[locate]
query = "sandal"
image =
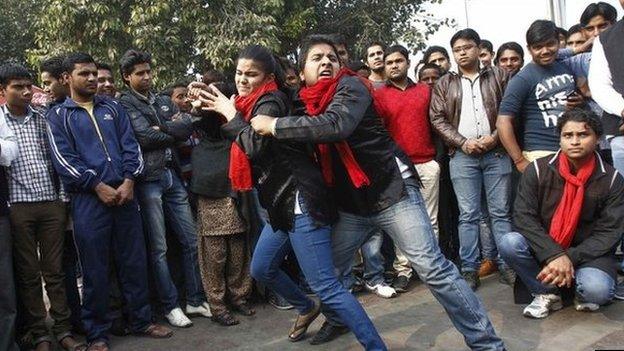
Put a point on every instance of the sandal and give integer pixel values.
(225, 319)
(303, 321)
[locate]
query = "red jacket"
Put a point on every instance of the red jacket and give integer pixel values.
(406, 116)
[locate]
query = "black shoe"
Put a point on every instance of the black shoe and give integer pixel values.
(472, 278)
(328, 333)
(507, 276)
(400, 284)
(119, 327)
(277, 301)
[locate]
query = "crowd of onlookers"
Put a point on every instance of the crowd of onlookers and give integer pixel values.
(323, 177)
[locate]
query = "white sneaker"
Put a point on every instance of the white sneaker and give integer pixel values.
(585, 306)
(177, 318)
(542, 305)
(382, 290)
(201, 310)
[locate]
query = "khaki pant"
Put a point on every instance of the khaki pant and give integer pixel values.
(534, 155)
(38, 230)
(429, 173)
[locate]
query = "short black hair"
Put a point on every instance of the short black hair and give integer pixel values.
(580, 115)
(429, 66)
(179, 84)
(577, 28)
(357, 65)
(309, 42)
(397, 48)
(432, 50)
(132, 58)
(338, 39)
(486, 44)
(103, 66)
(213, 76)
(466, 34)
(13, 71)
(607, 11)
(69, 63)
(510, 45)
(287, 64)
(54, 66)
(562, 32)
(541, 31)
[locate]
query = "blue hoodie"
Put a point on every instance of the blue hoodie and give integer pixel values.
(81, 157)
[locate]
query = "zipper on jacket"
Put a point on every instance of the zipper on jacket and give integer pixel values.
(99, 133)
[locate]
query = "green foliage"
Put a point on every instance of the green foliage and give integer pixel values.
(190, 35)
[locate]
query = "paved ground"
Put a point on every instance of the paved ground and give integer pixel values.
(413, 321)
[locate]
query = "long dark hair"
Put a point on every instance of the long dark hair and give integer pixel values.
(267, 62)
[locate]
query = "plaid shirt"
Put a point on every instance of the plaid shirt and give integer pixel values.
(31, 176)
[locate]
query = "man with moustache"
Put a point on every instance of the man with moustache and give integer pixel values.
(404, 107)
(106, 81)
(464, 108)
(374, 61)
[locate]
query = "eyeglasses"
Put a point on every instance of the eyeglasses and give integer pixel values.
(459, 49)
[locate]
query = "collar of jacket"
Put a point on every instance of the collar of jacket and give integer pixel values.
(410, 83)
(149, 99)
(600, 171)
(482, 71)
(70, 103)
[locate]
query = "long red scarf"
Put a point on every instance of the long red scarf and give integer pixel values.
(317, 98)
(240, 167)
(565, 220)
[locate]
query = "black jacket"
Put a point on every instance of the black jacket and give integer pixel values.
(352, 117)
(156, 111)
(602, 216)
(280, 169)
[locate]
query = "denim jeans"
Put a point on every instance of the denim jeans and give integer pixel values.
(312, 247)
(167, 198)
(469, 174)
(408, 223)
(592, 284)
(373, 259)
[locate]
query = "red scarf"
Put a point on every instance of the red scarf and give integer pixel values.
(565, 220)
(316, 99)
(240, 167)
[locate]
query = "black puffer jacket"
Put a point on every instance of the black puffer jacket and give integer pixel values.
(161, 112)
(352, 117)
(280, 169)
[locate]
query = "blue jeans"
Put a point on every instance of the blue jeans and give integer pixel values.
(373, 259)
(158, 198)
(592, 284)
(312, 247)
(492, 172)
(409, 226)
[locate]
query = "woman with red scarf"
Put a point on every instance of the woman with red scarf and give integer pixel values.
(293, 190)
(568, 213)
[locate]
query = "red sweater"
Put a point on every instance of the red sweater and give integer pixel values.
(406, 116)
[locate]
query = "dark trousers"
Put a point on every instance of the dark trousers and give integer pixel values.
(70, 265)
(7, 292)
(38, 236)
(98, 229)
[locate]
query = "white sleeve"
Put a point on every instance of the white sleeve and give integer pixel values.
(8, 143)
(600, 83)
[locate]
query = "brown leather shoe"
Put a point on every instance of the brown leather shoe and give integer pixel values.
(487, 267)
(98, 346)
(303, 321)
(157, 331)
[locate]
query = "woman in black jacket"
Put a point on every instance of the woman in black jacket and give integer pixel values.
(292, 190)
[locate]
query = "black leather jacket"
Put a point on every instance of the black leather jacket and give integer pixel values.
(173, 126)
(352, 117)
(280, 169)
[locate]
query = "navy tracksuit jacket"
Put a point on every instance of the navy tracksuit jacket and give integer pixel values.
(84, 157)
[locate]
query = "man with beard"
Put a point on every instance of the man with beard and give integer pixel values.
(464, 108)
(374, 61)
(510, 57)
(404, 107)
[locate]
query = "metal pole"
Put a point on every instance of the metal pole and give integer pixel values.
(466, 12)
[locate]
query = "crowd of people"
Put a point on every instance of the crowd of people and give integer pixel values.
(303, 183)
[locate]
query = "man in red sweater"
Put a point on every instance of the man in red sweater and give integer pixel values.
(404, 106)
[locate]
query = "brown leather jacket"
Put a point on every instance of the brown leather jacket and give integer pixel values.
(446, 102)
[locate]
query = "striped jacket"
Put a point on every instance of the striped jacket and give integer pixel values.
(87, 151)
